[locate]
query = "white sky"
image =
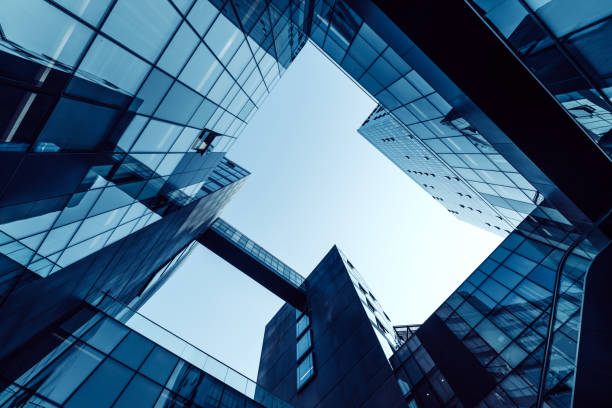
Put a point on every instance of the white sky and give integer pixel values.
(316, 182)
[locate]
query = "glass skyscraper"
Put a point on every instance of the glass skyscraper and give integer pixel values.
(115, 119)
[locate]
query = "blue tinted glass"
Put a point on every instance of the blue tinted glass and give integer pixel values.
(140, 393)
(305, 371)
(111, 198)
(514, 355)
(79, 251)
(383, 72)
(181, 47)
(169, 163)
(481, 301)
(224, 38)
(183, 5)
(186, 139)
(372, 38)
(419, 83)
(115, 65)
(157, 137)
(102, 387)
(29, 226)
(144, 27)
(202, 15)
(362, 52)
(76, 125)
(105, 335)
(201, 79)
(494, 289)
(301, 325)
(44, 29)
(97, 224)
(506, 276)
(159, 365)
(63, 376)
(303, 344)
(152, 91)
(240, 60)
(179, 105)
(492, 335)
(91, 11)
(469, 314)
(132, 350)
(78, 207)
(519, 264)
(403, 91)
(203, 114)
(131, 133)
(543, 276)
(221, 88)
(57, 239)
(533, 292)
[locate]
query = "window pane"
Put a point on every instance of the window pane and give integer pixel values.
(224, 38)
(76, 125)
(218, 92)
(44, 29)
(115, 65)
(152, 91)
(157, 137)
(181, 47)
(133, 350)
(141, 392)
(159, 365)
(301, 325)
(202, 15)
(198, 78)
(91, 11)
(179, 105)
(143, 26)
(303, 345)
(305, 371)
(67, 372)
(105, 335)
(101, 389)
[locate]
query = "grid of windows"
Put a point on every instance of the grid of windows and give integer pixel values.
(560, 44)
(144, 81)
(502, 314)
(110, 206)
(101, 362)
(416, 160)
(363, 55)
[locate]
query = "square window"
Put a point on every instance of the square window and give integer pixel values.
(144, 27)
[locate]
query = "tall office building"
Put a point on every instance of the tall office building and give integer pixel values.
(459, 128)
(115, 120)
(509, 334)
(444, 183)
(336, 354)
(116, 117)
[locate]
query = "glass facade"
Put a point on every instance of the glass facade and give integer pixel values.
(416, 160)
(115, 119)
(148, 89)
(443, 147)
(562, 45)
(519, 316)
(97, 361)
